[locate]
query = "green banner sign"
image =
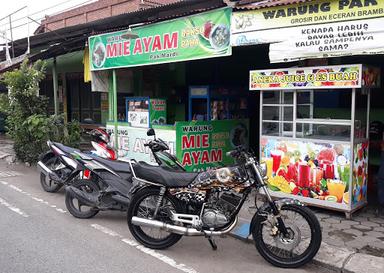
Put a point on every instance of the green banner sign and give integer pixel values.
(203, 144)
(205, 35)
(158, 111)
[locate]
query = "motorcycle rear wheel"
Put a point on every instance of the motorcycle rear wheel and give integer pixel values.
(48, 184)
(85, 185)
(143, 205)
(288, 251)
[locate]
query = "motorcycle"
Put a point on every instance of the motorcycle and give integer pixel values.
(112, 180)
(168, 204)
(54, 172)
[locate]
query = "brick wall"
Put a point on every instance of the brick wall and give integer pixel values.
(96, 11)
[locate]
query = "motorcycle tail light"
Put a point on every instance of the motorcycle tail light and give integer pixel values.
(87, 174)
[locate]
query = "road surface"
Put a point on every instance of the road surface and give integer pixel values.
(38, 234)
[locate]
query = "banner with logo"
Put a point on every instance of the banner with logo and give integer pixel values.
(205, 35)
(346, 76)
(201, 145)
(131, 141)
(246, 24)
(330, 40)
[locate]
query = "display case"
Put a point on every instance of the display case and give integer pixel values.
(144, 112)
(216, 103)
(314, 133)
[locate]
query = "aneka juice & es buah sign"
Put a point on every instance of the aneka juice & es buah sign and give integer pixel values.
(346, 76)
(204, 35)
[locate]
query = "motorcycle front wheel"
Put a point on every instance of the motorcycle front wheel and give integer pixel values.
(294, 249)
(143, 205)
(46, 182)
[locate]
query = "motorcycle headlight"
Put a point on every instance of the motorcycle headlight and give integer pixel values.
(263, 169)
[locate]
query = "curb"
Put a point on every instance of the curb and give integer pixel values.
(330, 257)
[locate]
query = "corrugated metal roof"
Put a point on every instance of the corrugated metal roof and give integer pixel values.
(118, 22)
(258, 4)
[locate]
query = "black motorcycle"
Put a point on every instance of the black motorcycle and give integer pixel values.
(168, 204)
(54, 170)
(109, 181)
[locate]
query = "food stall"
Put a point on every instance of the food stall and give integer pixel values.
(314, 132)
(199, 144)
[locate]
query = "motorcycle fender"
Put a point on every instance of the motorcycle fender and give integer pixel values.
(266, 208)
(45, 156)
(136, 185)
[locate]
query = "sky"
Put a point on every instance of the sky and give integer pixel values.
(36, 9)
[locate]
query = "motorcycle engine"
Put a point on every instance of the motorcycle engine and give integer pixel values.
(218, 209)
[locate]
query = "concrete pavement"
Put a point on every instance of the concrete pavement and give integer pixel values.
(37, 234)
(355, 245)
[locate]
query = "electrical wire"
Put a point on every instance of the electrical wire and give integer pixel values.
(51, 7)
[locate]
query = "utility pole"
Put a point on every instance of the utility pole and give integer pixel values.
(10, 27)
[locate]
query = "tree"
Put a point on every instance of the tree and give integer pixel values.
(28, 122)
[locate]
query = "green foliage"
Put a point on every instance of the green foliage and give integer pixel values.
(27, 121)
(4, 103)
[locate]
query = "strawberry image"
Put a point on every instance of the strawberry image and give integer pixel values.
(295, 191)
(207, 29)
(305, 192)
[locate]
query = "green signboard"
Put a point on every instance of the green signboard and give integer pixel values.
(158, 111)
(204, 35)
(203, 144)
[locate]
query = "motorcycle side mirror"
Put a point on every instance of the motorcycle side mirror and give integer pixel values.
(151, 132)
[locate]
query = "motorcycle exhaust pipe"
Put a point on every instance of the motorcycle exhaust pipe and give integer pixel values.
(138, 221)
(83, 197)
(45, 170)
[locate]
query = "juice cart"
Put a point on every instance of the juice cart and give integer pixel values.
(314, 133)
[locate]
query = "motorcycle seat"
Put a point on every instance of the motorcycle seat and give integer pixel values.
(114, 165)
(163, 175)
(65, 149)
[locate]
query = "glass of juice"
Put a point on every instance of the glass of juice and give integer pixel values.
(336, 188)
(329, 171)
(304, 178)
(276, 156)
(317, 175)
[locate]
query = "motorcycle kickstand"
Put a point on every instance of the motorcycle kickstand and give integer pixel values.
(212, 243)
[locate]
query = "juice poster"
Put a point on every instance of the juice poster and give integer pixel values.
(308, 169)
(360, 172)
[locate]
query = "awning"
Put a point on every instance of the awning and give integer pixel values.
(61, 41)
(258, 4)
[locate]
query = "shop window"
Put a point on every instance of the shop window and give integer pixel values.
(323, 114)
(324, 104)
(323, 131)
(277, 113)
(313, 114)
